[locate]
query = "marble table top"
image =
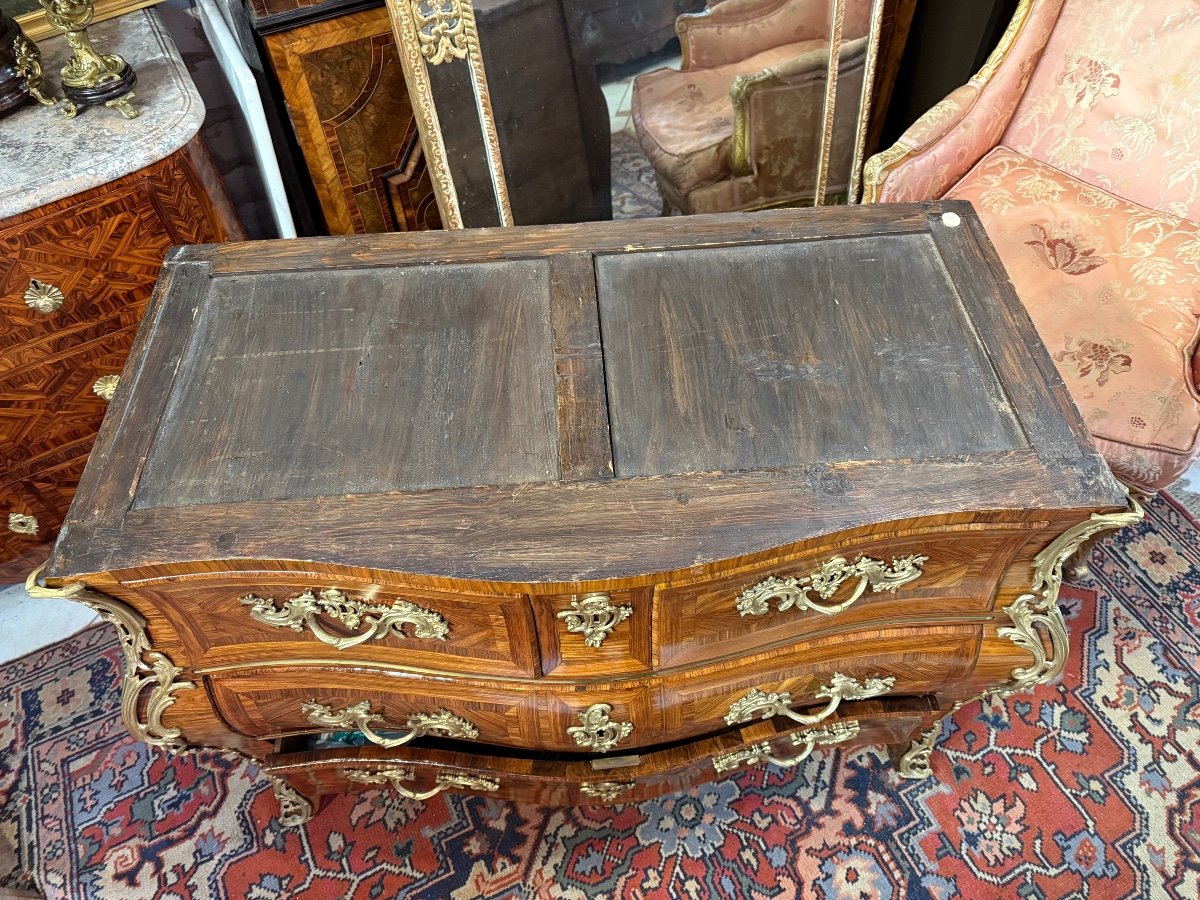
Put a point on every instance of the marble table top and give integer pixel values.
(45, 157)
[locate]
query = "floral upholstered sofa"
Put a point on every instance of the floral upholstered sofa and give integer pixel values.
(1079, 145)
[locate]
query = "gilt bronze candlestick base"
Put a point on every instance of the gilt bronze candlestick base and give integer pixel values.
(89, 76)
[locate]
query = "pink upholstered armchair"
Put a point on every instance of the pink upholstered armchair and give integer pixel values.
(1079, 145)
(739, 127)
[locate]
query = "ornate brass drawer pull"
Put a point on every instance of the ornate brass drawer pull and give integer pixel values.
(607, 791)
(834, 733)
(378, 620)
(445, 781)
(594, 617)
(760, 705)
(106, 387)
(43, 297)
(359, 717)
(789, 592)
(20, 523)
(597, 731)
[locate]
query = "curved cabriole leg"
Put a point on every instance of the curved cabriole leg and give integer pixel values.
(145, 667)
(294, 808)
(1036, 622)
(914, 762)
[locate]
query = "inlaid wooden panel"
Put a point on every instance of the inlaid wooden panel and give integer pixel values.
(484, 633)
(626, 648)
(928, 660)
(699, 619)
(103, 249)
(269, 703)
(46, 495)
(103, 255)
(545, 778)
(345, 92)
(49, 403)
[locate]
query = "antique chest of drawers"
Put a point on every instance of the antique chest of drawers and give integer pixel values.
(586, 513)
(88, 208)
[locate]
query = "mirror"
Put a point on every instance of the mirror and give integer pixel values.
(540, 111)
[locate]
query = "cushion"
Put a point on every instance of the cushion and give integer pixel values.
(1115, 98)
(1112, 287)
(684, 119)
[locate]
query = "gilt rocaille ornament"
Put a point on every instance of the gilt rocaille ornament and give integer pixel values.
(89, 76)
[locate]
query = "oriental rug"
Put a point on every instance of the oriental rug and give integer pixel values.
(1088, 788)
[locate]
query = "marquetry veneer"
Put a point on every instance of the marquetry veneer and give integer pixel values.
(75, 277)
(583, 514)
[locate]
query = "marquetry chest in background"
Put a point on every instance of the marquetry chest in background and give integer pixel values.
(88, 209)
(582, 513)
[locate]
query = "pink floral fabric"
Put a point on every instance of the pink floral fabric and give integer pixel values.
(952, 136)
(1115, 101)
(1112, 288)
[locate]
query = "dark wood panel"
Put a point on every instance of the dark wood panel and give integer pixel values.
(417, 379)
(836, 350)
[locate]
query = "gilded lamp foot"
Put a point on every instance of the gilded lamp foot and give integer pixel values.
(89, 76)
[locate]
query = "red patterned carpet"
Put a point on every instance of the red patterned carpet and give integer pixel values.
(1090, 788)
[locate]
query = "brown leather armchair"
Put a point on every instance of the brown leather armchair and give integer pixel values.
(739, 126)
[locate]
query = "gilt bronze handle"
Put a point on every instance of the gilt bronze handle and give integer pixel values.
(825, 581)
(809, 739)
(445, 781)
(377, 621)
(759, 704)
(359, 717)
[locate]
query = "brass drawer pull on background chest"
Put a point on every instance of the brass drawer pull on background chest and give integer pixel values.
(606, 790)
(597, 730)
(377, 620)
(106, 387)
(20, 523)
(445, 781)
(761, 705)
(359, 717)
(43, 297)
(833, 733)
(594, 617)
(834, 572)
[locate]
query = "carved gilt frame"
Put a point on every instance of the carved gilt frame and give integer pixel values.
(443, 33)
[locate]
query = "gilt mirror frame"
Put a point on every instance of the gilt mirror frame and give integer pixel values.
(439, 41)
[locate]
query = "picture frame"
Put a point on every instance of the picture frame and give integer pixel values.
(32, 18)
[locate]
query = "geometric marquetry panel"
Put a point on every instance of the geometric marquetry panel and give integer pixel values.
(46, 497)
(344, 88)
(103, 250)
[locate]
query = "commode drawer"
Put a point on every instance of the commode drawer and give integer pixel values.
(837, 588)
(390, 711)
(419, 773)
(228, 619)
